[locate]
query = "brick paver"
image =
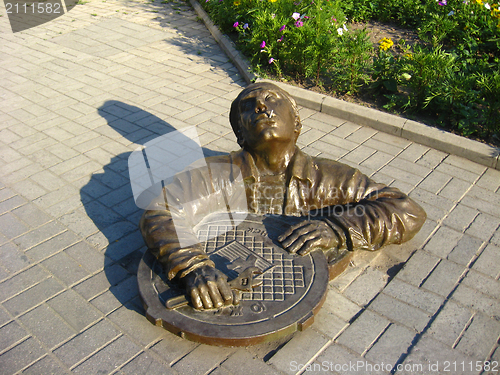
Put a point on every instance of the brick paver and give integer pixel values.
(80, 93)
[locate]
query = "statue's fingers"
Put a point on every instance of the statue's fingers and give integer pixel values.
(291, 229)
(206, 299)
(300, 241)
(215, 295)
(236, 297)
(285, 234)
(299, 232)
(309, 245)
(196, 299)
(225, 291)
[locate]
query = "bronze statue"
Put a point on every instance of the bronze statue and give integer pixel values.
(342, 209)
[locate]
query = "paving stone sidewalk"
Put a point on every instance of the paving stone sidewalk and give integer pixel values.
(78, 94)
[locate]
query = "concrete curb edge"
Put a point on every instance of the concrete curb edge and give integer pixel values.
(414, 131)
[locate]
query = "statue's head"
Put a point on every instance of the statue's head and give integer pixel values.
(264, 112)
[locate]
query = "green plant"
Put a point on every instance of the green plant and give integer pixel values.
(452, 74)
(352, 62)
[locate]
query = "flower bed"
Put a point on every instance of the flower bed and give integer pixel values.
(451, 74)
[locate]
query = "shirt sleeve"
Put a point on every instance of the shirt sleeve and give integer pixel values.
(169, 222)
(168, 225)
(373, 215)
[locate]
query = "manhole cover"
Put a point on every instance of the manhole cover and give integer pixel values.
(291, 291)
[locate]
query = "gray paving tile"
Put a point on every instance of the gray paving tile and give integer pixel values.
(202, 359)
(52, 246)
(490, 180)
(242, 359)
(337, 359)
(465, 164)
(45, 324)
(10, 334)
(21, 355)
(339, 305)
(110, 357)
(483, 283)
(488, 262)
(400, 312)
(106, 302)
(65, 268)
(10, 226)
(461, 217)
(22, 281)
(474, 299)
(435, 181)
(12, 258)
(136, 325)
(366, 286)
(86, 256)
(420, 298)
(74, 309)
(467, 248)
(444, 278)
(46, 365)
(449, 323)
(443, 242)
(31, 215)
(87, 342)
(39, 235)
(363, 332)
(388, 347)
(172, 348)
(455, 189)
(458, 172)
(427, 357)
(481, 205)
(145, 364)
(33, 296)
(328, 324)
(11, 204)
(483, 226)
(302, 348)
(480, 336)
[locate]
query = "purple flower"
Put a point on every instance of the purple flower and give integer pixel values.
(296, 16)
(442, 2)
(263, 44)
(282, 28)
(280, 39)
(236, 24)
(299, 23)
(245, 26)
(306, 17)
(271, 60)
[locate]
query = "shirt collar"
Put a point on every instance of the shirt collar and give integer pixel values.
(300, 166)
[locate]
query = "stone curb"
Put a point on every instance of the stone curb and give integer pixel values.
(414, 131)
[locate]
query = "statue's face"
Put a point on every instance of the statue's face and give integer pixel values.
(266, 115)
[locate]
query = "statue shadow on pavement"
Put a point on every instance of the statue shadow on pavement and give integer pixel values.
(109, 202)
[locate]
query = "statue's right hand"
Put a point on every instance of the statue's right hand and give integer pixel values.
(208, 288)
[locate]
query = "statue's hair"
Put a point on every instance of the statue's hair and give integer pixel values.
(234, 114)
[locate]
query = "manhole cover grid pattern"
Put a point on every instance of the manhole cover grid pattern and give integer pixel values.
(279, 281)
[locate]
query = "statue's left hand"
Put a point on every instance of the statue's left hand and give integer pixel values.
(305, 236)
(208, 288)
